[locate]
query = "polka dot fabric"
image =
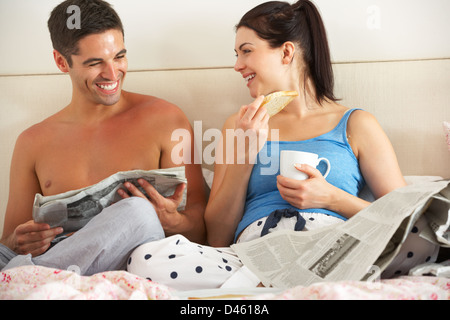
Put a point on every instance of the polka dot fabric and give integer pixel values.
(414, 251)
(183, 265)
(313, 221)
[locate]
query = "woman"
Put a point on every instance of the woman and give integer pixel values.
(283, 47)
(279, 47)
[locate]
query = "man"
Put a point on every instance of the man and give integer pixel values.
(102, 131)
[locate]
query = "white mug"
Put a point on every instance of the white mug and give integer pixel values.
(290, 158)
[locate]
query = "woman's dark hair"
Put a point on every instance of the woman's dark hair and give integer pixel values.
(95, 17)
(278, 22)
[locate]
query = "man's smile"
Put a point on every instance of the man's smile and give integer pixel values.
(108, 88)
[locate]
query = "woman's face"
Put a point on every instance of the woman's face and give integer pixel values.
(261, 66)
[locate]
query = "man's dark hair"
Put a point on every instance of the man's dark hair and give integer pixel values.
(96, 16)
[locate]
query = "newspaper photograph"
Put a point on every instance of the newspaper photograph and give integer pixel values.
(366, 242)
(72, 210)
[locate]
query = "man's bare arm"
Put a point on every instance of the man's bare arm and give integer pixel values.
(20, 233)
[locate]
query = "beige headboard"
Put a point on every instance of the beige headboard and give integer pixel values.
(411, 99)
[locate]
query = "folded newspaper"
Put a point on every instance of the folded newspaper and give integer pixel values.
(359, 249)
(72, 210)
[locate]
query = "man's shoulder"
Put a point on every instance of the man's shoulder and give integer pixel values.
(34, 135)
(38, 129)
(151, 106)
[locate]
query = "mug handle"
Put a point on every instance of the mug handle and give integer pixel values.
(328, 166)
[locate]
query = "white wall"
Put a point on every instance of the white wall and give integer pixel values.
(166, 34)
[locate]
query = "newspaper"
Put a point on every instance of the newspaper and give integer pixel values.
(436, 269)
(366, 243)
(72, 210)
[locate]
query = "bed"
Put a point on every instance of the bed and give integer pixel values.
(41, 283)
(409, 98)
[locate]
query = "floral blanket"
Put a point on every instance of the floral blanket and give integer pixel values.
(34, 282)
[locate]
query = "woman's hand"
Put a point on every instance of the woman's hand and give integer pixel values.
(314, 192)
(166, 208)
(252, 123)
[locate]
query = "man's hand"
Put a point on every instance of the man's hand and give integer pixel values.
(31, 237)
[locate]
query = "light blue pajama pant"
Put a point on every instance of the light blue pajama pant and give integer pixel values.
(104, 244)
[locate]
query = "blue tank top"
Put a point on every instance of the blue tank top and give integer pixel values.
(262, 192)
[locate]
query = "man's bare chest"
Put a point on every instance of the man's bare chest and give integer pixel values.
(70, 163)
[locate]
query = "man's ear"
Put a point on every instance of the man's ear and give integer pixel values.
(288, 52)
(60, 61)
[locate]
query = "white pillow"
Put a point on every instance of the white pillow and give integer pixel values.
(367, 195)
(209, 176)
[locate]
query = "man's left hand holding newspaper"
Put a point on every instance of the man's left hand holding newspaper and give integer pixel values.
(165, 207)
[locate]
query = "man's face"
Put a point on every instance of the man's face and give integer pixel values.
(99, 68)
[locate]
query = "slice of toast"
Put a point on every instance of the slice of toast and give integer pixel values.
(275, 102)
